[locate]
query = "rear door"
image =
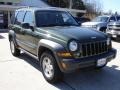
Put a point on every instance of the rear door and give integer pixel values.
(18, 28)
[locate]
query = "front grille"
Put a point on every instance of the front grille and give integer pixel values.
(116, 25)
(94, 48)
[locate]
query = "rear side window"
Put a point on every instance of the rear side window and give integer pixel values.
(20, 17)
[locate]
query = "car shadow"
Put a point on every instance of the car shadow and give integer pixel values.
(117, 41)
(1, 37)
(3, 30)
(85, 79)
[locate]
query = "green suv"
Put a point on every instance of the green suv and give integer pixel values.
(55, 39)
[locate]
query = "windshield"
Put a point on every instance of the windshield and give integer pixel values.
(54, 18)
(100, 19)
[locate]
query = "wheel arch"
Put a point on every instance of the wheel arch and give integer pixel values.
(11, 35)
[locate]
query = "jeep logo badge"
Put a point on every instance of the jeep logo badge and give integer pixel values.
(93, 37)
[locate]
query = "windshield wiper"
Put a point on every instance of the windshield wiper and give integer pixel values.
(50, 25)
(69, 25)
(53, 25)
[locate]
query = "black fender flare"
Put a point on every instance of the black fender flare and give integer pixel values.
(11, 35)
(54, 47)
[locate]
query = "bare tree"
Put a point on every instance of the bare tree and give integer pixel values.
(93, 6)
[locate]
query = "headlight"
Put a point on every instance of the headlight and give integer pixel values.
(108, 41)
(73, 46)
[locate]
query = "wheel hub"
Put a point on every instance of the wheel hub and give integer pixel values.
(47, 67)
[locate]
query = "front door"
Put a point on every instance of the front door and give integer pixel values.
(27, 35)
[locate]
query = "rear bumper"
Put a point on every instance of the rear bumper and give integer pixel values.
(69, 65)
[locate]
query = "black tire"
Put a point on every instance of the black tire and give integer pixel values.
(57, 75)
(14, 50)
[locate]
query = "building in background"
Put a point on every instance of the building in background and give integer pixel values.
(8, 6)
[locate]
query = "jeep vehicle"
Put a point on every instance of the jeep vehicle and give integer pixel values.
(100, 23)
(54, 38)
(113, 30)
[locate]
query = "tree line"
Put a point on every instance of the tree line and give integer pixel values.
(91, 6)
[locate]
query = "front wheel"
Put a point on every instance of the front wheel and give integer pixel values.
(15, 51)
(50, 69)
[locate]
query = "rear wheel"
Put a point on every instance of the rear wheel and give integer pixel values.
(50, 69)
(14, 50)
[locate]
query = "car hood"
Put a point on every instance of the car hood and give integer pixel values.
(74, 32)
(91, 23)
(114, 23)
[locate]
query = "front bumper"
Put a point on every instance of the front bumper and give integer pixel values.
(114, 34)
(69, 65)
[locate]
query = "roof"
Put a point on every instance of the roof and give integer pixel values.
(51, 8)
(12, 8)
(37, 8)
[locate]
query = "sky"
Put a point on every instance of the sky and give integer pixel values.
(113, 5)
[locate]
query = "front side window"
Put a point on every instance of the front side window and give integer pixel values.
(100, 19)
(20, 17)
(29, 18)
(54, 18)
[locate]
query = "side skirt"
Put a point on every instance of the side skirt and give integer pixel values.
(30, 54)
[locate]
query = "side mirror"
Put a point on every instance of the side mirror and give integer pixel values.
(32, 28)
(26, 25)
